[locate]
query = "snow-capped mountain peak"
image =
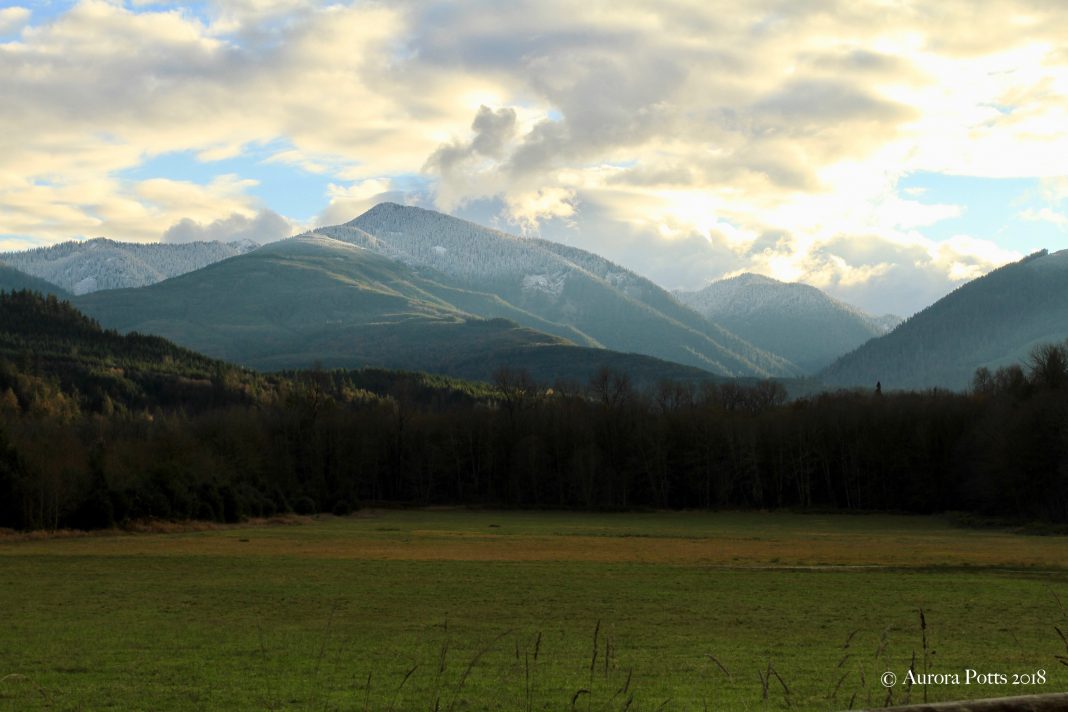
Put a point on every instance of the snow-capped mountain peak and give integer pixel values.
(795, 320)
(100, 263)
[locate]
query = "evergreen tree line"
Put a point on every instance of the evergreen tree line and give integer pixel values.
(333, 441)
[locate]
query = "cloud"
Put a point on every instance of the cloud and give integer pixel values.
(266, 226)
(883, 274)
(13, 19)
(86, 112)
(87, 206)
(1045, 215)
(529, 209)
(351, 201)
(900, 272)
(826, 101)
(1055, 189)
(686, 140)
(492, 130)
(463, 164)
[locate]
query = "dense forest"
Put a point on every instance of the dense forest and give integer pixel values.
(98, 429)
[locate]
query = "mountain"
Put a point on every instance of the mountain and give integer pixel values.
(795, 321)
(83, 267)
(992, 321)
(13, 280)
(312, 300)
(557, 289)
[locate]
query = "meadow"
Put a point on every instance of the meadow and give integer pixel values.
(489, 610)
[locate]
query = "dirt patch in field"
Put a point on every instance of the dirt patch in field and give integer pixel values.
(811, 550)
(150, 526)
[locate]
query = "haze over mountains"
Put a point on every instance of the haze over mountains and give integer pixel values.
(795, 321)
(993, 321)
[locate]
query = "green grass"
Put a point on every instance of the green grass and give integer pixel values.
(300, 617)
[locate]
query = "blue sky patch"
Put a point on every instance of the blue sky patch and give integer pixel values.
(284, 188)
(990, 209)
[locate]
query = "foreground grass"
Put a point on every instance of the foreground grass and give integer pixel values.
(485, 611)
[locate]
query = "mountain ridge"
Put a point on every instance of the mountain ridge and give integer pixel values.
(798, 321)
(992, 321)
(611, 306)
(314, 301)
(81, 267)
(12, 280)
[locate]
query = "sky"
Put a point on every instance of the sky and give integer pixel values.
(885, 151)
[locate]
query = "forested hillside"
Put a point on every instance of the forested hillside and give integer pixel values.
(55, 359)
(992, 321)
(13, 280)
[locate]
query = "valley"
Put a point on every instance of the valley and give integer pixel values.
(536, 356)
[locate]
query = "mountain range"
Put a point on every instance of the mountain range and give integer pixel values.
(92, 265)
(315, 301)
(415, 289)
(404, 288)
(796, 321)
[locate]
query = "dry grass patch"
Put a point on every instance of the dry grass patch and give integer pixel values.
(405, 536)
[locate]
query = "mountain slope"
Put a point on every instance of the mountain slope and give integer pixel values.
(54, 360)
(601, 304)
(312, 300)
(796, 321)
(83, 267)
(991, 321)
(13, 280)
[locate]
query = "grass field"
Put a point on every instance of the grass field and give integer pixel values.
(457, 610)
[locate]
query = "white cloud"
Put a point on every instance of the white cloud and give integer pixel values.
(530, 208)
(684, 139)
(86, 112)
(13, 19)
(83, 206)
(350, 201)
(1055, 189)
(266, 226)
(898, 274)
(1045, 215)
